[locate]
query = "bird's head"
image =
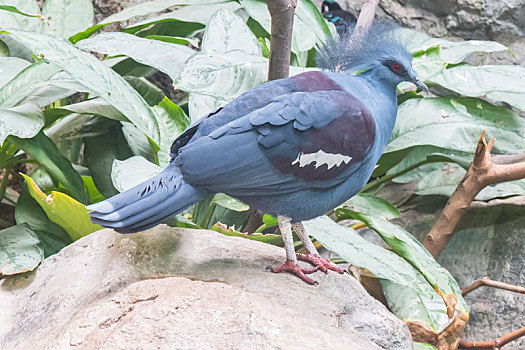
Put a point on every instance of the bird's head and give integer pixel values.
(378, 54)
(329, 5)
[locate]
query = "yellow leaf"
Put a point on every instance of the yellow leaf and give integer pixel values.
(64, 211)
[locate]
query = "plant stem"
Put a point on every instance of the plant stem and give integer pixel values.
(5, 181)
(386, 178)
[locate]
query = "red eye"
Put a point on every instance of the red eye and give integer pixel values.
(396, 67)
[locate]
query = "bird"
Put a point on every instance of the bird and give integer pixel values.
(294, 148)
(342, 19)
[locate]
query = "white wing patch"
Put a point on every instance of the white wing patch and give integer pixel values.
(320, 158)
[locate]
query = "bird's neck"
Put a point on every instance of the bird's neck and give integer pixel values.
(379, 96)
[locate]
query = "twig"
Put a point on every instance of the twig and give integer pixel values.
(485, 281)
(494, 344)
(282, 13)
(483, 171)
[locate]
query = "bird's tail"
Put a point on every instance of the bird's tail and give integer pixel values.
(147, 204)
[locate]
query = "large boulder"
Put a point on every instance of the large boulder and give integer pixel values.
(170, 288)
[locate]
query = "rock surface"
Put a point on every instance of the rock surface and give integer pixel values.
(172, 288)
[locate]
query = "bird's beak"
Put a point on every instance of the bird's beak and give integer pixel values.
(420, 84)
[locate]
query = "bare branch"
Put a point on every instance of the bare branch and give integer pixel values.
(494, 344)
(483, 171)
(282, 13)
(485, 281)
(366, 16)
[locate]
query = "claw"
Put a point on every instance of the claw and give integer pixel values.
(322, 263)
(297, 270)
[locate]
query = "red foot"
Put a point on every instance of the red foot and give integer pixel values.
(322, 263)
(297, 270)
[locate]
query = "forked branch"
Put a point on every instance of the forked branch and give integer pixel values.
(484, 170)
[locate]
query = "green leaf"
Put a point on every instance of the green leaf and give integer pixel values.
(10, 67)
(52, 237)
(146, 8)
(94, 106)
(368, 204)
(227, 32)
(138, 142)
(45, 152)
(94, 195)
(21, 14)
(497, 83)
(149, 92)
(13, 9)
(228, 202)
(309, 27)
(359, 252)
(100, 152)
(175, 40)
(455, 123)
(166, 57)
(20, 250)
(406, 304)
(96, 76)
(423, 346)
(408, 247)
(72, 126)
(62, 18)
(24, 121)
(23, 84)
(201, 105)
(456, 51)
(172, 122)
(132, 171)
(63, 210)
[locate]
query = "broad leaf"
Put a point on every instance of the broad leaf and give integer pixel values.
(149, 92)
(423, 346)
(227, 32)
(455, 123)
(188, 14)
(309, 27)
(96, 76)
(10, 67)
(359, 252)
(100, 152)
(172, 122)
(406, 304)
(408, 247)
(368, 204)
(229, 202)
(63, 210)
(63, 18)
(149, 7)
(498, 83)
(72, 126)
(23, 85)
(10, 18)
(20, 250)
(201, 105)
(24, 121)
(45, 152)
(132, 171)
(52, 237)
(166, 57)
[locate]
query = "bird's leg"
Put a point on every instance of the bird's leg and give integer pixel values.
(290, 264)
(312, 256)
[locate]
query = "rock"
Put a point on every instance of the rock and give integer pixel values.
(186, 289)
(489, 241)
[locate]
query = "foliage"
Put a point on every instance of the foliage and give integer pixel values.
(92, 127)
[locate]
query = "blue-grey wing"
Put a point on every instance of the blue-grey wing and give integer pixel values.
(300, 140)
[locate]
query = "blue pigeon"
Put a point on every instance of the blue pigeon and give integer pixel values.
(340, 18)
(294, 148)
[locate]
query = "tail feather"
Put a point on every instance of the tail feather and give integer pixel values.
(148, 203)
